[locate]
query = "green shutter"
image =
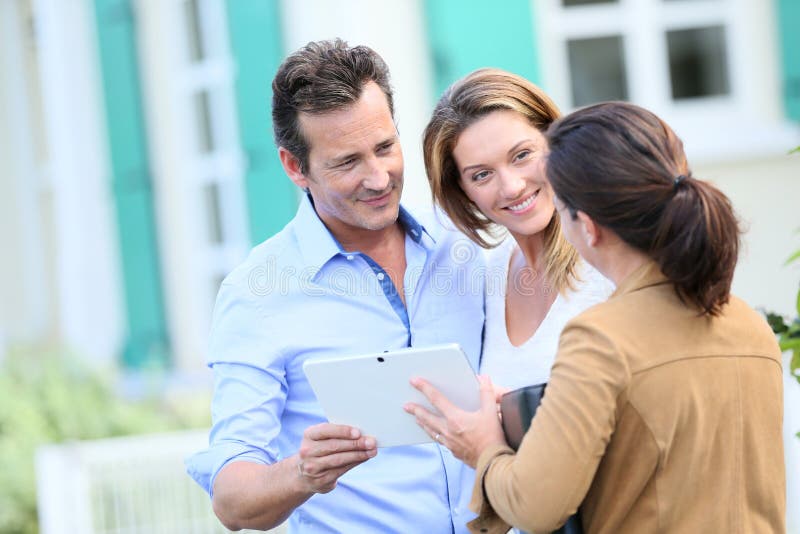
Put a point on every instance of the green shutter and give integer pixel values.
(468, 34)
(789, 28)
(146, 344)
(254, 28)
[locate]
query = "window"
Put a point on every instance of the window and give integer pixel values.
(700, 64)
(597, 69)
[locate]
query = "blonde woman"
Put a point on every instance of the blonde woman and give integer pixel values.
(483, 151)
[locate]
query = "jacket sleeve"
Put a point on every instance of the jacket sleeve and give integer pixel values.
(538, 488)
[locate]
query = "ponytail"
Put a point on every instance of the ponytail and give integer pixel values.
(697, 244)
(626, 169)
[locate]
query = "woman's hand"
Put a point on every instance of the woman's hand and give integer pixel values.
(466, 434)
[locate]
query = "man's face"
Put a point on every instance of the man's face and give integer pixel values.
(355, 165)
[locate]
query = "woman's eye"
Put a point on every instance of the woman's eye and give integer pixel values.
(522, 155)
(478, 176)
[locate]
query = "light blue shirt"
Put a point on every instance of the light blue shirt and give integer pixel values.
(299, 296)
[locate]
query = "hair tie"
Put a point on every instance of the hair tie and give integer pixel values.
(680, 178)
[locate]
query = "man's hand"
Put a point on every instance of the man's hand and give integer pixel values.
(466, 434)
(328, 451)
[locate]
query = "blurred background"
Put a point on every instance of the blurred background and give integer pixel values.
(137, 169)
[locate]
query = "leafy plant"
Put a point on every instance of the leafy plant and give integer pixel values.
(788, 330)
(47, 396)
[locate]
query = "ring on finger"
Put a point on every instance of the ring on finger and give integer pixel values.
(300, 469)
(438, 437)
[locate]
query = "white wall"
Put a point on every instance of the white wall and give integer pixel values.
(766, 194)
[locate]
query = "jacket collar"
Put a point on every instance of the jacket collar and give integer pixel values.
(647, 275)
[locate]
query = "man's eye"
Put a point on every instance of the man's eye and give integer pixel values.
(385, 148)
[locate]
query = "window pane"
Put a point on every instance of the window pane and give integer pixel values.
(194, 30)
(213, 213)
(597, 70)
(698, 62)
(205, 133)
(568, 3)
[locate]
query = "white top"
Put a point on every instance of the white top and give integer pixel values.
(513, 367)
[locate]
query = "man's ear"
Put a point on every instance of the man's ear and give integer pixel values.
(291, 166)
(591, 232)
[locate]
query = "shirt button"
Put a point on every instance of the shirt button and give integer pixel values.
(381, 276)
(349, 257)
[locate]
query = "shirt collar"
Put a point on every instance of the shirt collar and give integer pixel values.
(318, 246)
(415, 230)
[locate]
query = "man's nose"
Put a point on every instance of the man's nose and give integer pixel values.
(376, 175)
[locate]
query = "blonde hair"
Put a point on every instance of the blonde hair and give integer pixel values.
(467, 100)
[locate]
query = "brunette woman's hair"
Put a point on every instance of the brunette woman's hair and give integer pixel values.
(626, 169)
(463, 103)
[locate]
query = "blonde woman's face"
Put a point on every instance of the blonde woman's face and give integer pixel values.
(500, 160)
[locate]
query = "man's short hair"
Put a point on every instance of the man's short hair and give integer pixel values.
(322, 76)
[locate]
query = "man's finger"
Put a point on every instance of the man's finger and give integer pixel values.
(331, 431)
(328, 447)
(321, 467)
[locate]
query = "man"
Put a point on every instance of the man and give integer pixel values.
(352, 273)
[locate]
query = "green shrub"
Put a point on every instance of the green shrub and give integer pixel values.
(788, 330)
(47, 396)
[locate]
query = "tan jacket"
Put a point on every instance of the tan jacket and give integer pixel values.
(656, 419)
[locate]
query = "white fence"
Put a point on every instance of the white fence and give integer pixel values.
(130, 485)
(138, 485)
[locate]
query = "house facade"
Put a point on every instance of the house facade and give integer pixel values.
(138, 168)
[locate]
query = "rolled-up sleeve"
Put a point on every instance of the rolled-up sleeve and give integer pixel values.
(541, 485)
(249, 387)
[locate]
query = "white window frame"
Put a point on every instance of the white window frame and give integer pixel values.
(192, 265)
(224, 165)
(746, 122)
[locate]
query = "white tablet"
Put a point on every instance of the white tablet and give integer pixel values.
(369, 391)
